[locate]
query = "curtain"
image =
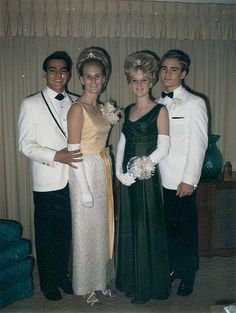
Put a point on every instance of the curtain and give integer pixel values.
(31, 29)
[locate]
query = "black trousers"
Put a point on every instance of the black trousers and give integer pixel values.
(182, 233)
(52, 221)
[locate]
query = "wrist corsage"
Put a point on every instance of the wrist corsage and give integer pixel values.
(141, 167)
(111, 111)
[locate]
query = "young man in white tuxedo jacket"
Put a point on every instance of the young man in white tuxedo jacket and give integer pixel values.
(181, 168)
(42, 138)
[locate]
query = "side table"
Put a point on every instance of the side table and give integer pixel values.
(216, 202)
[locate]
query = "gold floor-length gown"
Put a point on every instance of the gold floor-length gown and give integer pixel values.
(90, 225)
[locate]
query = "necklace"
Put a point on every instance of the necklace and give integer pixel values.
(95, 110)
(137, 113)
(143, 110)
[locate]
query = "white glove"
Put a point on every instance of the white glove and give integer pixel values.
(163, 146)
(125, 179)
(86, 195)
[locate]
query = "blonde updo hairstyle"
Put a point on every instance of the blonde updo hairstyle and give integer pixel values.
(145, 61)
(97, 56)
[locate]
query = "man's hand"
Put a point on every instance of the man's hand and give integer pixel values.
(184, 190)
(68, 157)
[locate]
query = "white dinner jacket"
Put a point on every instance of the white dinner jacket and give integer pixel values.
(189, 138)
(40, 138)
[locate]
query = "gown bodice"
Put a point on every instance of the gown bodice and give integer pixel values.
(140, 135)
(94, 133)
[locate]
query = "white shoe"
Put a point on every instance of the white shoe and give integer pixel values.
(109, 293)
(93, 300)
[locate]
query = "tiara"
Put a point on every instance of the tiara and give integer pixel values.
(137, 62)
(91, 55)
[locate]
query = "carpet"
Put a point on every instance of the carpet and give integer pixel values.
(215, 284)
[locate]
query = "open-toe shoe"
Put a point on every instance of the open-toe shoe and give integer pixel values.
(109, 293)
(93, 300)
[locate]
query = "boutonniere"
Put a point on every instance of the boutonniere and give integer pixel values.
(177, 102)
(111, 111)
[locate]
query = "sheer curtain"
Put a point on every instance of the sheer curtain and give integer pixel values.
(31, 29)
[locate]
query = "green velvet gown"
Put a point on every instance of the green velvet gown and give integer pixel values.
(142, 259)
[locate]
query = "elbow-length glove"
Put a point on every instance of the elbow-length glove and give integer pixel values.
(125, 179)
(79, 172)
(163, 146)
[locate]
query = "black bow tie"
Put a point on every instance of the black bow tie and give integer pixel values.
(168, 94)
(60, 96)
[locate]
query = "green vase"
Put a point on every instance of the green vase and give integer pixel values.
(213, 162)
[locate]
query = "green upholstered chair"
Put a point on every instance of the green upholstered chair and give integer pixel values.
(15, 264)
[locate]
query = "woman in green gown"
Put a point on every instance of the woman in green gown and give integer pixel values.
(142, 261)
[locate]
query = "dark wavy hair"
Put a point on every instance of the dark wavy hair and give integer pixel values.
(59, 55)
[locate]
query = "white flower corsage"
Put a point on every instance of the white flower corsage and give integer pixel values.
(111, 111)
(177, 101)
(141, 167)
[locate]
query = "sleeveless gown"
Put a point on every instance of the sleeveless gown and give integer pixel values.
(90, 226)
(142, 261)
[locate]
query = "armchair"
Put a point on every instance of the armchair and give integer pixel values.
(15, 264)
